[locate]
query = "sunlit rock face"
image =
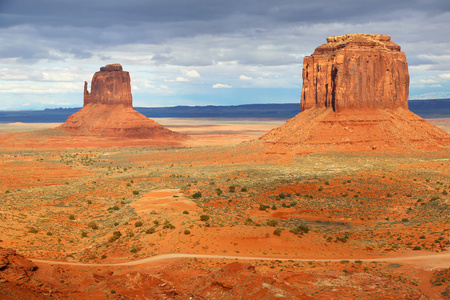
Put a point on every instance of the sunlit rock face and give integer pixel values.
(356, 71)
(111, 86)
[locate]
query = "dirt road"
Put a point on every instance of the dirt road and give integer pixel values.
(426, 261)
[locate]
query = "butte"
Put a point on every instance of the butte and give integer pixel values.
(108, 111)
(355, 98)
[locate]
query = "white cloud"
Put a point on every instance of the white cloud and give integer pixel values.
(191, 74)
(428, 80)
(181, 79)
(220, 86)
(445, 76)
(243, 77)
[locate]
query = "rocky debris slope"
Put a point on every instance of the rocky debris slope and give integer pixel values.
(108, 110)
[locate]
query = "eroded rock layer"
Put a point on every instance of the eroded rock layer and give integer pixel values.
(108, 110)
(356, 71)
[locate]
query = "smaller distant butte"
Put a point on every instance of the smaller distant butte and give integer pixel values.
(108, 110)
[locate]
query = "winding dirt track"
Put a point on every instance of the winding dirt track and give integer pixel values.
(434, 260)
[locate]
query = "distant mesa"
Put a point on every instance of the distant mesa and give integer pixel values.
(108, 110)
(355, 97)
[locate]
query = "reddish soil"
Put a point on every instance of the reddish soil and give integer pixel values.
(358, 208)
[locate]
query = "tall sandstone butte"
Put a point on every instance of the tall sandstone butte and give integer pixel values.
(356, 71)
(110, 86)
(108, 110)
(355, 97)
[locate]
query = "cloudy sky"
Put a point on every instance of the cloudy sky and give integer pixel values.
(202, 52)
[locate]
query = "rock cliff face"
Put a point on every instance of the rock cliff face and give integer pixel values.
(108, 110)
(355, 97)
(110, 86)
(356, 71)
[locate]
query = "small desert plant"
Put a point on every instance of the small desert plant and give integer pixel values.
(244, 189)
(232, 189)
(138, 224)
(300, 229)
(150, 230)
(204, 218)
(272, 223)
(281, 195)
(92, 225)
(187, 232)
(185, 212)
(168, 225)
(197, 195)
(49, 233)
(218, 192)
(32, 230)
(135, 192)
(263, 207)
(277, 232)
(417, 248)
(71, 217)
(83, 234)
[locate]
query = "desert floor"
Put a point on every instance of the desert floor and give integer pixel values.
(324, 225)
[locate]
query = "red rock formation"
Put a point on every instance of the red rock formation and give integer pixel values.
(109, 86)
(108, 110)
(356, 71)
(355, 97)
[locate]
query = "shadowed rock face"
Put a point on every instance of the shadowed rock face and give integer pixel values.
(110, 86)
(356, 71)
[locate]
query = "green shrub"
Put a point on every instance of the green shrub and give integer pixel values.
(33, 230)
(133, 250)
(263, 207)
(277, 232)
(274, 207)
(197, 195)
(300, 229)
(272, 223)
(83, 234)
(187, 232)
(244, 189)
(116, 235)
(281, 195)
(417, 248)
(232, 189)
(92, 225)
(49, 233)
(138, 224)
(135, 192)
(185, 212)
(71, 217)
(168, 225)
(150, 230)
(219, 192)
(204, 218)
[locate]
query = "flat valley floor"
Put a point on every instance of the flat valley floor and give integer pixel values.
(369, 225)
